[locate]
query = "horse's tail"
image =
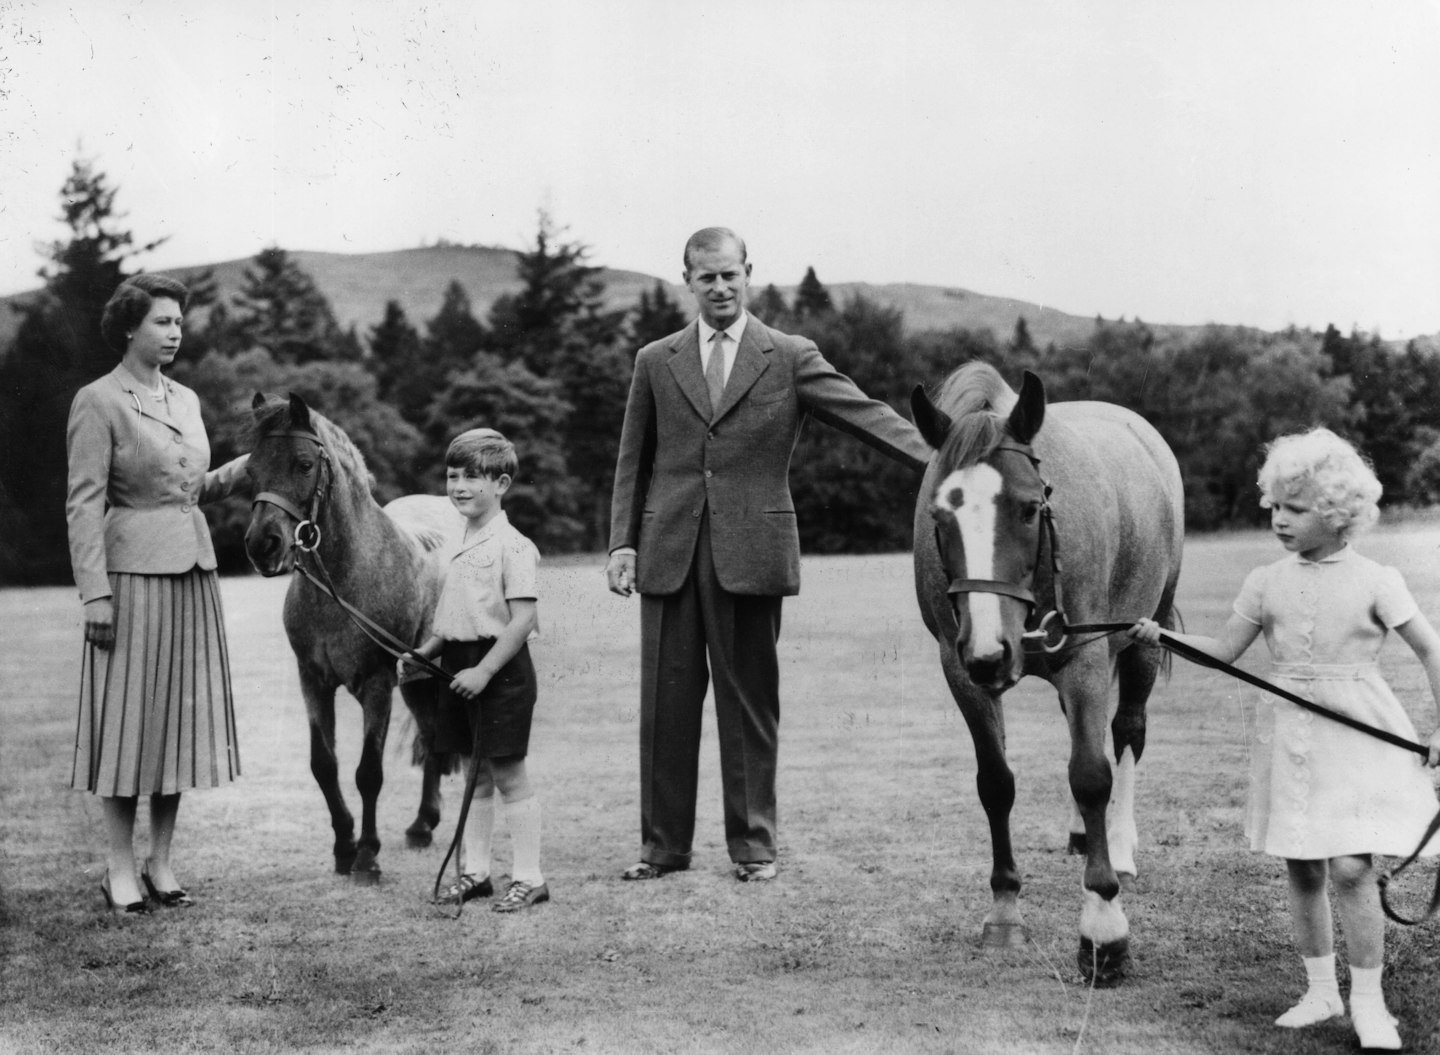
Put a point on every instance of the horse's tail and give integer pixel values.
(1173, 621)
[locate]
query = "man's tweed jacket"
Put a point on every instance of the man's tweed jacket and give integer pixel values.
(678, 463)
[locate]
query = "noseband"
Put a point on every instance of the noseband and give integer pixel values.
(1036, 630)
(307, 526)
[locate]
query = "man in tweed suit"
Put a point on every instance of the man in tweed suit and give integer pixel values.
(703, 527)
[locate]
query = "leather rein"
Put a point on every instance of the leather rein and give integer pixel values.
(1038, 632)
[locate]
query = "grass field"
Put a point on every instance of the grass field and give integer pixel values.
(867, 942)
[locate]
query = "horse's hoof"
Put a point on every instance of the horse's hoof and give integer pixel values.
(418, 836)
(1127, 882)
(365, 877)
(1106, 964)
(1076, 846)
(344, 863)
(1003, 936)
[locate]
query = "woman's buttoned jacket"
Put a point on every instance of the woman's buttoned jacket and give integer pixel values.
(139, 469)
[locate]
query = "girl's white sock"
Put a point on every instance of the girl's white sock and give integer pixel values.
(1322, 995)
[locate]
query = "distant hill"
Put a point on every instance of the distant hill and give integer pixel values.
(358, 286)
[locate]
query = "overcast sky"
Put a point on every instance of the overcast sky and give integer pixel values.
(1263, 163)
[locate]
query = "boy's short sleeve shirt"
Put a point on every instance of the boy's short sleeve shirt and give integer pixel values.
(483, 576)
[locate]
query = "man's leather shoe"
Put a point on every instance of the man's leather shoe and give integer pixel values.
(645, 870)
(755, 871)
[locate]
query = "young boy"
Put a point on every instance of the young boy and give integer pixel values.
(485, 616)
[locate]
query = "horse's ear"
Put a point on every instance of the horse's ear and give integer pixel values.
(299, 412)
(1029, 412)
(933, 423)
(257, 402)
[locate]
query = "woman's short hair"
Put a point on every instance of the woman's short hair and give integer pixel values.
(484, 452)
(130, 303)
(1338, 478)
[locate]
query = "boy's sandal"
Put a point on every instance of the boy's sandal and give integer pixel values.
(521, 895)
(469, 888)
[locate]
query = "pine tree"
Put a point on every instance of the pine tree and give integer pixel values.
(770, 307)
(559, 328)
(280, 309)
(57, 349)
(657, 315)
(811, 298)
(397, 361)
(561, 296)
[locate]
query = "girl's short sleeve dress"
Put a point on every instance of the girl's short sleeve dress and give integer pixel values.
(1319, 789)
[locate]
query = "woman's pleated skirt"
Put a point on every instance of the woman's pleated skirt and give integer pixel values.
(156, 712)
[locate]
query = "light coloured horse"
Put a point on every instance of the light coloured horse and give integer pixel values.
(1012, 484)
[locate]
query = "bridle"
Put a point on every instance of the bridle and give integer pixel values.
(307, 538)
(307, 526)
(1037, 631)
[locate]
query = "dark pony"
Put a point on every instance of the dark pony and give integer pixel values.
(1010, 488)
(385, 562)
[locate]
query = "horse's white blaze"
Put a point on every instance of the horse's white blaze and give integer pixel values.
(1120, 817)
(1103, 921)
(975, 514)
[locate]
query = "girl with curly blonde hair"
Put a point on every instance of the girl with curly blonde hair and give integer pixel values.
(1323, 796)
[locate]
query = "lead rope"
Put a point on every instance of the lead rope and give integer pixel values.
(1194, 655)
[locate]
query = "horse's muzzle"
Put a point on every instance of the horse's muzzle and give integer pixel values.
(269, 550)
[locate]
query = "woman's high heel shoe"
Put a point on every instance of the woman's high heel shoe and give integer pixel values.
(176, 898)
(139, 907)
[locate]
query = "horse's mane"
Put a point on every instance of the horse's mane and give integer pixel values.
(274, 415)
(978, 401)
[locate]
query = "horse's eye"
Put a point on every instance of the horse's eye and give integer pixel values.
(305, 465)
(1029, 511)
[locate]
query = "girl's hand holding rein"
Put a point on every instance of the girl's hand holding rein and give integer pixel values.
(1146, 630)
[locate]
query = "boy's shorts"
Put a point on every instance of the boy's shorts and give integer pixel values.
(501, 713)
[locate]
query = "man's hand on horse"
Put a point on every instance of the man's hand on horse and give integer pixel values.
(620, 573)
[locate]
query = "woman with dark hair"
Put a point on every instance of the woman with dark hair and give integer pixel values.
(156, 716)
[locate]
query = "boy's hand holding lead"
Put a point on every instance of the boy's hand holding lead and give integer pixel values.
(470, 682)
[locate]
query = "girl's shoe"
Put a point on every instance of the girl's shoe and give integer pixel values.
(1317, 1005)
(138, 907)
(1374, 1026)
(521, 895)
(176, 898)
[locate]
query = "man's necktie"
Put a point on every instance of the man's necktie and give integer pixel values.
(715, 370)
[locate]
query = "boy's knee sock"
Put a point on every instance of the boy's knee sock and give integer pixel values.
(523, 819)
(479, 836)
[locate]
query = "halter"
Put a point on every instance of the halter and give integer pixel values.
(307, 526)
(1037, 630)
